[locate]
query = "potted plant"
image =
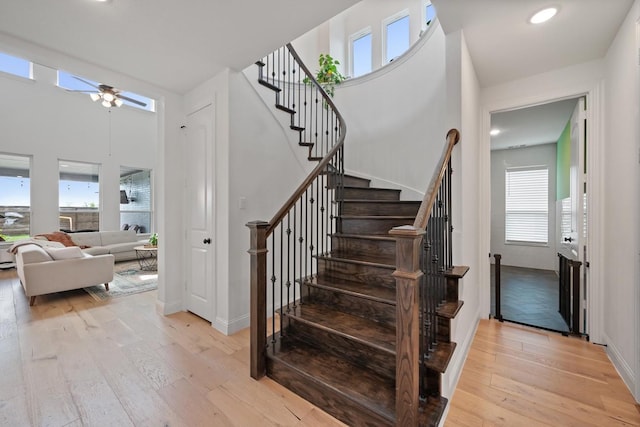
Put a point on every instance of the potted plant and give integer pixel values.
(328, 75)
(153, 240)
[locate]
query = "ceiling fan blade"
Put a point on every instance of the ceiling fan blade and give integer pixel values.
(135, 101)
(82, 91)
(86, 82)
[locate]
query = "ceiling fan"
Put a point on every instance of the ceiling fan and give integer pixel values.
(110, 96)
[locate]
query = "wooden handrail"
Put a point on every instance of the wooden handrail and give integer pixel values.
(282, 212)
(453, 136)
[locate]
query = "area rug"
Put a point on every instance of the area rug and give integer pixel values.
(128, 279)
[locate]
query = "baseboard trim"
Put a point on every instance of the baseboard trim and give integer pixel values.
(621, 365)
(233, 326)
(165, 308)
(452, 376)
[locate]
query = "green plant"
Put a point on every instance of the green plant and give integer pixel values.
(328, 75)
(153, 240)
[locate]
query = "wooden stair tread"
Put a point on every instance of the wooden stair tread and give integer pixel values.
(269, 85)
(352, 327)
(457, 272)
(430, 411)
(449, 310)
(372, 189)
(370, 260)
(397, 202)
(366, 388)
(360, 289)
(364, 236)
(285, 109)
(440, 357)
(374, 217)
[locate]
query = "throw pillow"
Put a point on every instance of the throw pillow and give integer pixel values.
(70, 252)
(58, 236)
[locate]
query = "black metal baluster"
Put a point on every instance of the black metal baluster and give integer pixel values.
(282, 330)
(311, 248)
(273, 289)
(288, 284)
(293, 259)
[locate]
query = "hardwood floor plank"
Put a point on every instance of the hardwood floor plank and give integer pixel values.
(192, 406)
(552, 379)
(73, 361)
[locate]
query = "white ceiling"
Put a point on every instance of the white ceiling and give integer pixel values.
(174, 44)
(504, 46)
(540, 124)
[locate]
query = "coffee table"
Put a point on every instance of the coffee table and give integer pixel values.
(147, 257)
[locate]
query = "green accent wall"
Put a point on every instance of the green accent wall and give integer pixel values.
(563, 163)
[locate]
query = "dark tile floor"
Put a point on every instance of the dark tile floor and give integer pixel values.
(529, 296)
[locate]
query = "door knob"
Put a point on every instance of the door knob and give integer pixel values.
(568, 239)
(207, 241)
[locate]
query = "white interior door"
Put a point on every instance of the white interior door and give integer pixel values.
(573, 238)
(573, 233)
(200, 143)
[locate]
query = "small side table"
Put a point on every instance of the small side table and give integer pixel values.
(147, 257)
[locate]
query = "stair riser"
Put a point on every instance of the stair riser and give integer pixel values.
(357, 272)
(324, 397)
(368, 208)
(383, 249)
(372, 226)
(380, 312)
(370, 194)
(366, 356)
(348, 181)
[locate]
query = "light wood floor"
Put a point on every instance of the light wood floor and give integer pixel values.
(72, 361)
(520, 376)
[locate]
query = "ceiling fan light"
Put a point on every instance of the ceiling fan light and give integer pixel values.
(106, 103)
(94, 96)
(108, 96)
(118, 102)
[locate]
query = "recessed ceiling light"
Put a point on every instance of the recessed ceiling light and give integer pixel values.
(494, 132)
(544, 15)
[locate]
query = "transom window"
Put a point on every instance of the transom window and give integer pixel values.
(14, 65)
(361, 59)
(527, 205)
(396, 36)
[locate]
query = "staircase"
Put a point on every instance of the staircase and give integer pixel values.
(334, 270)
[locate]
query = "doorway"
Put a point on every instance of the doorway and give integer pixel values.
(535, 182)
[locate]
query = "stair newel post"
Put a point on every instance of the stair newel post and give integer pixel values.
(258, 279)
(408, 276)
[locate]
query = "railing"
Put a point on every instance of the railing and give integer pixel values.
(423, 256)
(283, 250)
(569, 292)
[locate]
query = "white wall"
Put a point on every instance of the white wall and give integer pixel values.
(463, 100)
(622, 203)
(522, 255)
(402, 123)
(256, 161)
(44, 121)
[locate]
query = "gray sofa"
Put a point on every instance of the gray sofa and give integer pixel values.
(120, 244)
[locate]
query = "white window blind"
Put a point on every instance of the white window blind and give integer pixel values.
(527, 205)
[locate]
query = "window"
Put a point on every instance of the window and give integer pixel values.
(135, 199)
(79, 196)
(397, 37)
(15, 197)
(361, 60)
(527, 205)
(429, 14)
(14, 65)
(69, 81)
